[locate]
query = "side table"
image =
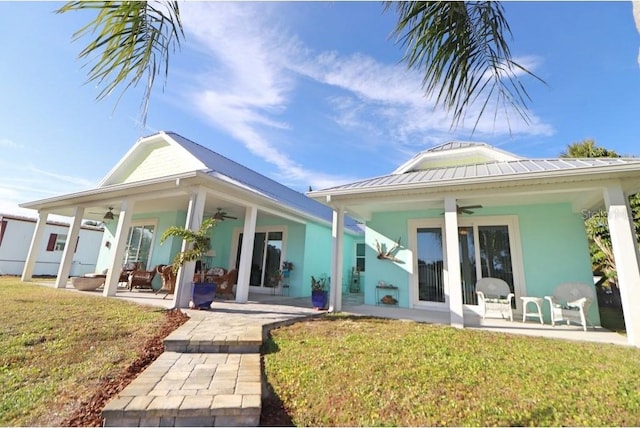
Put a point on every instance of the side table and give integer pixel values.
(390, 290)
(537, 301)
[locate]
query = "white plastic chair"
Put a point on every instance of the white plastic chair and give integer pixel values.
(494, 295)
(571, 302)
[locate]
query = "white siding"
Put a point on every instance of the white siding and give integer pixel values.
(17, 238)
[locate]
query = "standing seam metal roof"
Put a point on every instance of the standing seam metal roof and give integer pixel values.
(256, 182)
(492, 169)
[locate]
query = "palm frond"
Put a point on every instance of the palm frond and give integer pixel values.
(461, 47)
(198, 240)
(132, 40)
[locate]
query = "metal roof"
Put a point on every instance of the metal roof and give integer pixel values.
(226, 169)
(456, 145)
(464, 173)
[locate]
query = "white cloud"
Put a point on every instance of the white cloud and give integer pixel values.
(248, 80)
(7, 143)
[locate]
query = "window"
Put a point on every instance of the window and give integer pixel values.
(360, 258)
(3, 227)
(56, 242)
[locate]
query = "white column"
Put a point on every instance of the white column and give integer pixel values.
(69, 248)
(625, 253)
(246, 254)
(452, 248)
(34, 248)
(122, 234)
(337, 233)
(184, 279)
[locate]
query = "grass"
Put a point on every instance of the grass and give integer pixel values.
(347, 371)
(56, 346)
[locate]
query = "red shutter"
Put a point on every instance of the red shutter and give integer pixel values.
(77, 240)
(3, 227)
(52, 241)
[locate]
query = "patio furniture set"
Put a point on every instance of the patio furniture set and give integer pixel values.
(570, 302)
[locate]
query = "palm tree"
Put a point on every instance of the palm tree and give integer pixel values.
(462, 50)
(456, 44)
(133, 40)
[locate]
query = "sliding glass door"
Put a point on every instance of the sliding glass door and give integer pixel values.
(139, 244)
(485, 250)
(266, 258)
(430, 265)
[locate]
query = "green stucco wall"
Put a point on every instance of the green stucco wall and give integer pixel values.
(553, 244)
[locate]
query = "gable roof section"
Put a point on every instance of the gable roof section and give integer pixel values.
(225, 169)
(455, 153)
(152, 157)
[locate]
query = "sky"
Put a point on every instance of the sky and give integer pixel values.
(306, 93)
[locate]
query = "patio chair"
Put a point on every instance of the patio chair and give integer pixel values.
(168, 279)
(571, 302)
(226, 282)
(127, 269)
(141, 279)
(494, 295)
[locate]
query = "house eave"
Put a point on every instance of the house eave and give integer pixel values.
(600, 173)
(116, 191)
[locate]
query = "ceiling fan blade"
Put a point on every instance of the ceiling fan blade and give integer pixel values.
(231, 217)
(471, 207)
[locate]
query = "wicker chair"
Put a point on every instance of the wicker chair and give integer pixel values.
(494, 295)
(226, 282)
(570, 302)
(168, 279)
(141, 279)
(128, 269)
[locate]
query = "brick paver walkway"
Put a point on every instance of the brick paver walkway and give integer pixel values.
(209, 374)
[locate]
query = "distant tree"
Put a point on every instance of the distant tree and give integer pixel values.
(460, 47)
(587, 149)
(596, 223)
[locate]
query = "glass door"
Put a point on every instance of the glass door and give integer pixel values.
(139, 244)
(485, 251)
(266, 259)
(430, 265)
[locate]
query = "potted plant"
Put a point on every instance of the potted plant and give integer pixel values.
(319, 293)
(198, 244)
(287, 267)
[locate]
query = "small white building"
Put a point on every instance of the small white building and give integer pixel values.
(15, 237)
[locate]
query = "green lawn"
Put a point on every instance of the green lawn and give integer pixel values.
(344, 371)
(56, 346)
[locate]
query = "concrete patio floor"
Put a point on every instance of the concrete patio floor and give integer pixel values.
(352, 304)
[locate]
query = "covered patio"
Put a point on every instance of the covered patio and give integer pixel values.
(353, 304)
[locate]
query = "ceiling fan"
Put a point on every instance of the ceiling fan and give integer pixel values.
(222, 215)
(467, 209)
(108, 216)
